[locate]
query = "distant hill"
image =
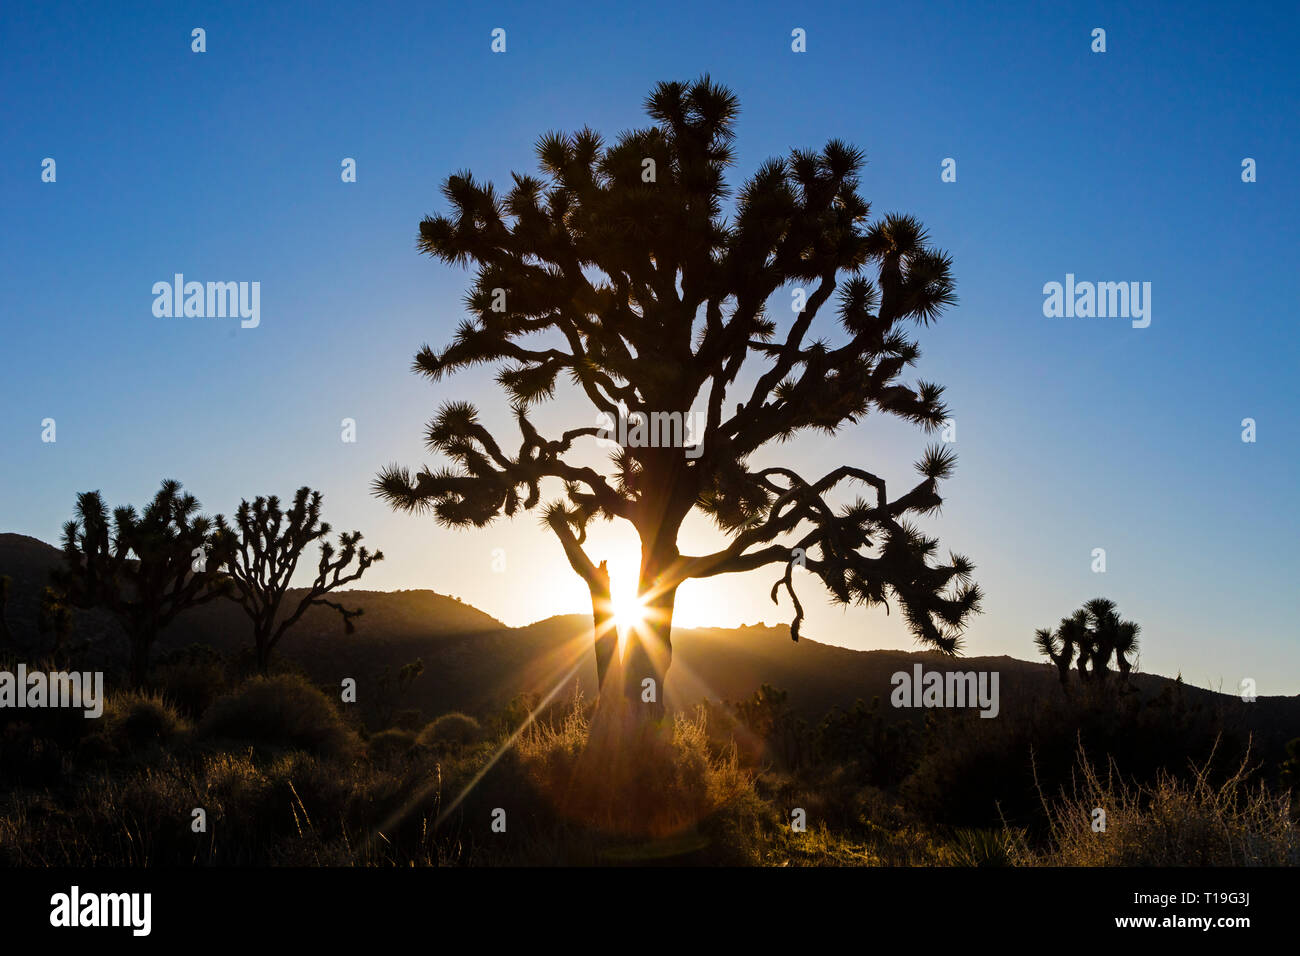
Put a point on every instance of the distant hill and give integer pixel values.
(474, 663)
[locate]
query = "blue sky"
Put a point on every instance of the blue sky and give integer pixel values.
(1072, 433)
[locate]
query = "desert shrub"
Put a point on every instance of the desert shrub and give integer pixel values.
(285, 808)
(253, 812)
(192, 678)
(868, 743)
(766, 730)
(28, 758)
(1173, 821)
(410, 719)
(1289, 771)
(971, 847)
(280, 711)
(978, 772)
(970, 773)
(60, 726)
(390, 743)
(515, 714)
(142, 720)
(637, 780)
(621, 795)
(139, 723)
(450, 730)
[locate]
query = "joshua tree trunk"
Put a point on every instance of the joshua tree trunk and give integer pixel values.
(1063, 670)
(263, 644)
(649, 653)
(650, 647)
(605, 633)
(142, 640)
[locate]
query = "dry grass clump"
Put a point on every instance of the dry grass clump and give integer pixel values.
(1171, 822)
(620, 777)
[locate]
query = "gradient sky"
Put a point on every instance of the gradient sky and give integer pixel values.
(1072, 433)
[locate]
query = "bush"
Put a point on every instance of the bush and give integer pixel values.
(630, 780)
(871, 745)
(134, 721)
(515, 714)
(391, 743)
(192, 678)
(1171, 822)
(291, 808)
(28, 759)
(148, 719)
(450, 730)
(280, 711)
(409, 719)
(981, 773)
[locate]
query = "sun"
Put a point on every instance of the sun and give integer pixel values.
(704, 607)
(629, 611)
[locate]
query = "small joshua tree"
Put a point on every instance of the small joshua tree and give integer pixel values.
(144, 568)
(261, 553)
(1089, 638)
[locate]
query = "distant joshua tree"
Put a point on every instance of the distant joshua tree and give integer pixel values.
(1089, 638)
(144, 568)
(651, 299)
(261, 552)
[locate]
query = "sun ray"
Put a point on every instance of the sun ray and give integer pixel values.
(573, 656)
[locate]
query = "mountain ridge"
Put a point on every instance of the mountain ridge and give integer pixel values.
(476, 664)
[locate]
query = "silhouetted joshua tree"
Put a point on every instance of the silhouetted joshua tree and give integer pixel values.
(652, 301)
(143, 568)
(1062, 646)
(261, 553)
(1090, 638)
